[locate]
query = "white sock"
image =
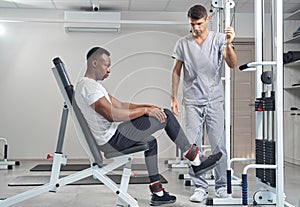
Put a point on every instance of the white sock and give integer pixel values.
(159, 193)
(196, 161)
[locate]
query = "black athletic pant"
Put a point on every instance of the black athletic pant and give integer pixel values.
(141, 130)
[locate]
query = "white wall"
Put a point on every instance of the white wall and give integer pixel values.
(31, 104)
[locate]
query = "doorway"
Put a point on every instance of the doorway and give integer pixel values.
(242, 102)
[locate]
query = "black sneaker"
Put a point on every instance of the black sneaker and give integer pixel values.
(160, 200)
(207, 164)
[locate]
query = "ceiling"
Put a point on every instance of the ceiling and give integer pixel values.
(241, 6)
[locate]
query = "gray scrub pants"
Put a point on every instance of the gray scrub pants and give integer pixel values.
(213, 116)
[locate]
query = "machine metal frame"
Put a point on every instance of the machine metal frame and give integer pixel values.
(265, 194)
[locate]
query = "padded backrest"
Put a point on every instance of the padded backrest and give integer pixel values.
(86, 138)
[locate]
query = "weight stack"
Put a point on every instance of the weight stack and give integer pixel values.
(265, 154)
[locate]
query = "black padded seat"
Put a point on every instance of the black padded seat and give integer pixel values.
(140, 146)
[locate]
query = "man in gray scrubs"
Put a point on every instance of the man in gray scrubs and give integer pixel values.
(201, 55)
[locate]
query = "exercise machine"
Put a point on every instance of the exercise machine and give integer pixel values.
(5, 164)
(269, 119)
(97, 169)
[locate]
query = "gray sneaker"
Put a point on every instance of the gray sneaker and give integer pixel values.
(222, 193)
(199, 195)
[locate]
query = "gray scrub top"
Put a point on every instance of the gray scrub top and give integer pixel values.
(202, 68)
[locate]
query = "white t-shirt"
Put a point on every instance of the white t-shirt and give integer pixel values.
(87, 92)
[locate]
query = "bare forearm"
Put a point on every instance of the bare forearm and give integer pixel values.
(230, 56)
(119, 114)
(125, 105)
(174, 89)
(129, 114)
(130, 111)
(134, 106)
(175, 83)
(116, 111)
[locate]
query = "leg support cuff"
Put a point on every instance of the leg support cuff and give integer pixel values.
(192, 153)
(156, 187)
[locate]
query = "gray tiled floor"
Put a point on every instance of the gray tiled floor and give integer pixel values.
(99, 195)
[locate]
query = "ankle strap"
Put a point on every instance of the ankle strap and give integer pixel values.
(192, 153)
(156, 187)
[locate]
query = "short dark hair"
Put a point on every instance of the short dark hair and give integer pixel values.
(197, 12)
(98, 51)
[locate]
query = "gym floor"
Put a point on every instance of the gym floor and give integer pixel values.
(99, 195)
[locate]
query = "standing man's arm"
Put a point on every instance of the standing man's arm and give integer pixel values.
(229, 53)
(175, 82)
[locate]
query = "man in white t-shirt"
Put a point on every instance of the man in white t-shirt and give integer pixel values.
(118, 125)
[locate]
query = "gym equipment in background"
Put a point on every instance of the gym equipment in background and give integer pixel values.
(5, 164)
(291, 56)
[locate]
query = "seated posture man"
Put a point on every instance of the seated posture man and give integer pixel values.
(118, 125)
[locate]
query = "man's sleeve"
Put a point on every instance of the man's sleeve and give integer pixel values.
(91, 93)
(222, 42)
(178, 51)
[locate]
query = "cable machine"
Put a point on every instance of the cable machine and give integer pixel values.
(269, 117)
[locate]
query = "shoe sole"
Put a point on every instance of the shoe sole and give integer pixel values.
(199, 201)
(218, 196)
(200, 172)
(158, 203)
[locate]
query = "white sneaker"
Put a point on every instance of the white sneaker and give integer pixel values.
(222, 193)
(199, 195)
